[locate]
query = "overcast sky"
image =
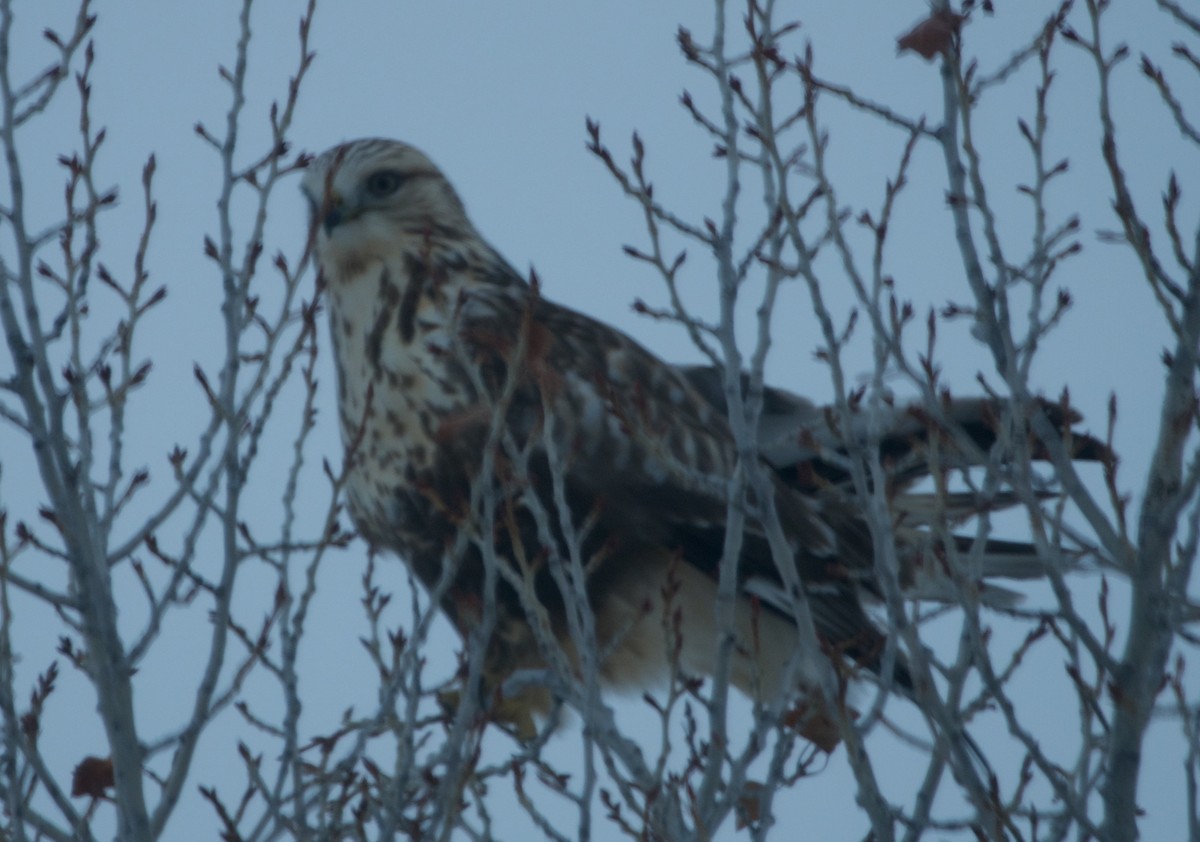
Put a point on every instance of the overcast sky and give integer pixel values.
(497, 94)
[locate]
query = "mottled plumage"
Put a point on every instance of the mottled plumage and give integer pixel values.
(436, 336)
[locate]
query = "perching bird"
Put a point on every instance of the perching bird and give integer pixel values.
(481, 420)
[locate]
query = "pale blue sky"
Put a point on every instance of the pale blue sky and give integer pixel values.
(497, 94)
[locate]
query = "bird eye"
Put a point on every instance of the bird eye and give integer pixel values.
(384, 183)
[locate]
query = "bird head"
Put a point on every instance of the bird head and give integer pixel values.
(369, 197)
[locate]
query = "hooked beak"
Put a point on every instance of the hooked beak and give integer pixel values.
(331, 213)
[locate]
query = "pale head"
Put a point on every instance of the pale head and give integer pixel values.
(368, 197)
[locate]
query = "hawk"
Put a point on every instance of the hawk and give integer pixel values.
(494, 439)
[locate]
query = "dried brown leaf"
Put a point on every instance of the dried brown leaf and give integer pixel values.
(92, 776)
(933, 35)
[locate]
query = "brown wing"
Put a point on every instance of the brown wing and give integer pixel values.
(647, 461)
